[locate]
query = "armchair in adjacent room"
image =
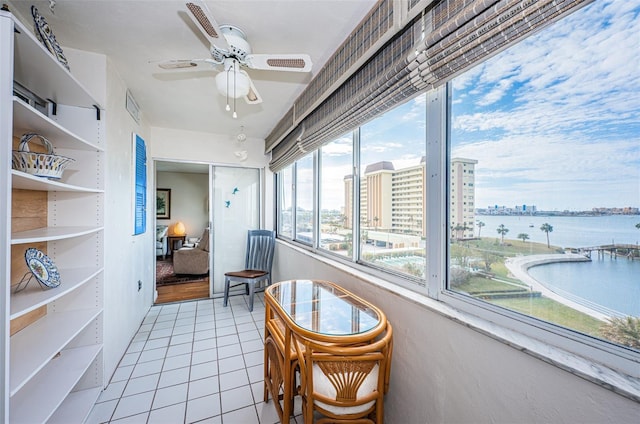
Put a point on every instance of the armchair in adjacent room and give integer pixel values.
(193, 260)
(161, 240)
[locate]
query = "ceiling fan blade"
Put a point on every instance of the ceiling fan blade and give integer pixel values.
(253, 97)
(280, 62)
(201, 15)
(184, 63)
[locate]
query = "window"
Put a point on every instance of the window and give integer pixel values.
(541, 162)
(392, 187)
(336, 196)
(304, 199)
(549, 137)
(285, 200)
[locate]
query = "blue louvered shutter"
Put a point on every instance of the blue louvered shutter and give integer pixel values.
(141, 187)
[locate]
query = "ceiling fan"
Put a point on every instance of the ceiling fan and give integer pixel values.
(230, 52)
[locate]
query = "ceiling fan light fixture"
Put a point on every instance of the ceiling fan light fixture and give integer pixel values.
(238, 84)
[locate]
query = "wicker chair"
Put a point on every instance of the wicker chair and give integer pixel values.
(344, 384)
(258, 262)
(274, 367)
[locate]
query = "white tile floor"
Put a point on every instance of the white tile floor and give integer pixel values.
(192, 362)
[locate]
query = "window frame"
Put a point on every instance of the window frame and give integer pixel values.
(318, 181)
(592, 348)
(436, 216)
(279, 185)
(314, 201)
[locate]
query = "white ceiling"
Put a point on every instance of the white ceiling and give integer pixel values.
(133, 33)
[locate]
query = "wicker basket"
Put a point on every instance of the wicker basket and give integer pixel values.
(48, 165)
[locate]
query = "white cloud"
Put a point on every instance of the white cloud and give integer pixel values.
(340, 147)
(576, 87)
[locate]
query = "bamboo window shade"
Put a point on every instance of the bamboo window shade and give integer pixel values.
(467, 32)
(446, 38)
(364, 39)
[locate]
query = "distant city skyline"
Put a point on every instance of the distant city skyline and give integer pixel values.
(535, 209)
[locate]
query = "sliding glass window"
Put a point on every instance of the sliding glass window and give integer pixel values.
(544, 187)
(304, 199)
(336, 196)
(392, 190)
(285, 202)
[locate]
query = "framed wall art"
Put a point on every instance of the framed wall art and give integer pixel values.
(163, 203)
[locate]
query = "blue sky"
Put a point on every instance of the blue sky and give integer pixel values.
(554, 121)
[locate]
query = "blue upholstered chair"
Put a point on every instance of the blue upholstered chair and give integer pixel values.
(258, 262)
(161, 240)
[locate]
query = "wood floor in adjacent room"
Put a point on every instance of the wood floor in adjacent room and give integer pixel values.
(183, 291)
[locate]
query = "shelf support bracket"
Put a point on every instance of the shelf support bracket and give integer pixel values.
(97, 112)
(54, 107)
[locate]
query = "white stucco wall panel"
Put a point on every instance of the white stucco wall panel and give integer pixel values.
(128, 258)
(205, 147)
(91, 70)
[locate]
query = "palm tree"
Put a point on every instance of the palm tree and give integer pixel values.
(502, 230)
(625, 331)
(547, 229)
(523, 236)
(458, 228)
(480, 224)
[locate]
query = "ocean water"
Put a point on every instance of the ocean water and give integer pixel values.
(613, 283)
(568, 231)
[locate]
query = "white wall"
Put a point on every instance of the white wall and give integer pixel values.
(219, 149)
(445, 372)
(129, 258)
(189, 200)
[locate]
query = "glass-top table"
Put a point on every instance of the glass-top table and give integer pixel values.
(324, 308)
(318, 310)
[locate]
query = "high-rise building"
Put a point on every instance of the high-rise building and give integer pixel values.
(378, 189)
(408, 200)
(462, 197)
(395, 200)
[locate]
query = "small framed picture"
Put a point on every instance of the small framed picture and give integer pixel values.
(163, 203)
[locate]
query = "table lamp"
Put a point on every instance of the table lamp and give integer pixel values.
(179, 229)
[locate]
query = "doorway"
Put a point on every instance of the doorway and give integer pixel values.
(207, 212)
(182, 216)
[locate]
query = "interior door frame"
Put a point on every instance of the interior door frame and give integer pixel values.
(210, 170)
(153, 213)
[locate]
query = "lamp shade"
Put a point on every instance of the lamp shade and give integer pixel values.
(233, 83)
(179, 229)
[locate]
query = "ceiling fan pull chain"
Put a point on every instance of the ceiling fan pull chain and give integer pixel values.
(235, 115)
(227, 108)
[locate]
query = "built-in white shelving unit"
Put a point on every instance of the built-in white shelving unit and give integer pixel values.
(53, 367)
